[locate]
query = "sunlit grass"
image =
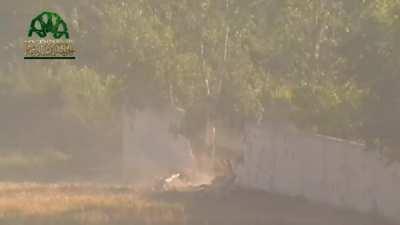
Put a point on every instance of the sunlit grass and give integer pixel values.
(36, 204)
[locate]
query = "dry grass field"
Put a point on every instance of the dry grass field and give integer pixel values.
(66, 204)
(88, 204)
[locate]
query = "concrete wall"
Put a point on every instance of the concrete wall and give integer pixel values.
(321, 169)
(275, 159)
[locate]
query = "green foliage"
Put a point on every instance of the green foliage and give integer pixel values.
(88, 95)
(329, 66)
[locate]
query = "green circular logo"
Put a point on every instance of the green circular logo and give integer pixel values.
(48, 22)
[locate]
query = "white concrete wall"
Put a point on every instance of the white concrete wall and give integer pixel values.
(322, 169)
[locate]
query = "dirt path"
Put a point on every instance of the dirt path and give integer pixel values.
(256, 208)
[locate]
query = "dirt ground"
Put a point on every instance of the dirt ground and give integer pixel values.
(241, 207)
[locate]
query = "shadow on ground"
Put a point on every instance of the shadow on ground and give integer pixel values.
(241, 207)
